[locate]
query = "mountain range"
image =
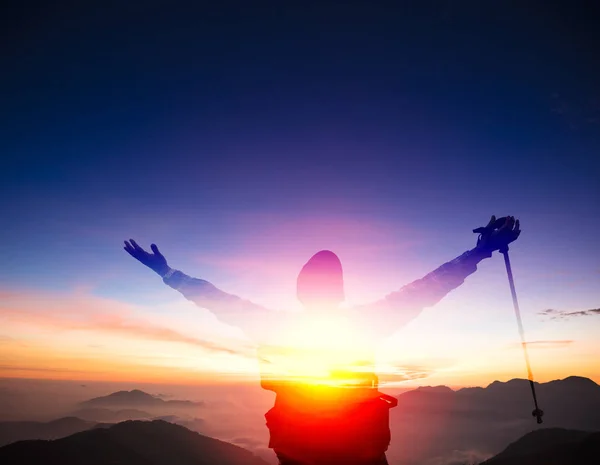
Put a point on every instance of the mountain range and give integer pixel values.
(11, 431)
(132, 443)
(431, 425)
(572, 402)
(435, 423)
(111, 416)
(161, 443)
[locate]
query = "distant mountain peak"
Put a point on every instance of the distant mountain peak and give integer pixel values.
(135, 393)
(435, 389)
(135, 398)
(67, 420)
(510, 382)
(580, 380)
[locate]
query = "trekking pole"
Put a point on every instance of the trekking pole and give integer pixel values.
(538, 413)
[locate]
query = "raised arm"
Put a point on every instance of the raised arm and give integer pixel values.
(398, 308)
(229, 308)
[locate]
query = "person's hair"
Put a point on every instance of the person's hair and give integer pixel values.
(321, 279)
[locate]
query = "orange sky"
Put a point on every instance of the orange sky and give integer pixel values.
(77, 335)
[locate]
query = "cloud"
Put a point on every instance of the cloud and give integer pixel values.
(84, 312)
(13, 368)
(459, 457)
(398, 373)
(564, 315)
(251, 443)
(547, 344)
(142, 329)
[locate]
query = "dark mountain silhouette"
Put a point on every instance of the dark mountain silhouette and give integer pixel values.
(136, 399)
(111, 416)
(433, 422)
(12, 431)
(433, 389)
(132, 443)
(553, 446)
(571, 403)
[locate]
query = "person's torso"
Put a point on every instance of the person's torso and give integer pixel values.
(314, 352)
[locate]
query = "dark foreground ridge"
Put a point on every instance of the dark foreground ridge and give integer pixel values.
(552, 446)
(132, 443)
(12, 431)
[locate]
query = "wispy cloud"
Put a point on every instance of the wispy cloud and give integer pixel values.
(79, 312)
(12, 368)
(550, 344)
(141, 329)
(565, 314)
(401, 373)
(459, 456)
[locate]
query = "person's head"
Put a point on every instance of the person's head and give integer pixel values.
(320, 283)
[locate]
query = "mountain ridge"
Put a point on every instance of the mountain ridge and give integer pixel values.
(12, 431)
(137, 398)
(435, 423)
(132, 442)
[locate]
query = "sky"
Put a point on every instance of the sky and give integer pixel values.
(242, 139)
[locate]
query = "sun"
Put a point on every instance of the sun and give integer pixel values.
(322, 350)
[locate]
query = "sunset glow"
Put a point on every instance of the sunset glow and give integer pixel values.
(320, 350)
(241, 152)
(80, 335)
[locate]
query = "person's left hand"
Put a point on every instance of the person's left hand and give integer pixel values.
(497, 236)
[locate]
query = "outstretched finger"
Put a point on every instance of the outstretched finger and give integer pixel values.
(517, 226)
(155, 250)
(136, 246)
(129, 249)
(492, 221)
(511, 222)
(508, 224)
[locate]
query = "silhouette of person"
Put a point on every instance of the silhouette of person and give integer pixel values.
(328, 409)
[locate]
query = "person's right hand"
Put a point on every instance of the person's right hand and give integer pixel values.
(155, 261)
(496, 236)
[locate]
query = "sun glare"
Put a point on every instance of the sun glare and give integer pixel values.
(320, 351)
